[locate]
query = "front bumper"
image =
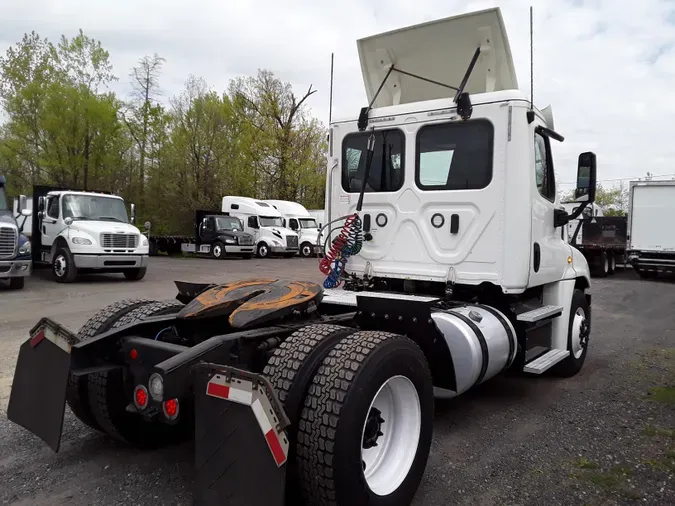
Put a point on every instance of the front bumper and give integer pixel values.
(110, 261)
(15, 268)
(239, 249)
(284, 249)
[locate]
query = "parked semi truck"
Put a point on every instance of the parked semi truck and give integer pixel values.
(265, 224)
(298, 219)
(651, 234)
(329, 391)
(76, 232)
(15, 247)
(216, 234)
(601, 239)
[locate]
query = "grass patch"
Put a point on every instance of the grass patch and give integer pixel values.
(666, 395)
(658, 431)
(584, 463)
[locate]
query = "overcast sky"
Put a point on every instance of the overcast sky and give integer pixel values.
(607, 67)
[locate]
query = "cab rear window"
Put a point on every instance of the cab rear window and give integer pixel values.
(454, 156)
(387, 167)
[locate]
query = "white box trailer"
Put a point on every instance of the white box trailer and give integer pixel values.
(651, 234)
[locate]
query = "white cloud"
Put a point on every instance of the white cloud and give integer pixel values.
(608, 70)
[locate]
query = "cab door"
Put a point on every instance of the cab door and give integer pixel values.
(549, 252)
(51, 225)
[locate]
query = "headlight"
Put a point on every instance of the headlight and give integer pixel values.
(25, 248)
(144, 241)
(81, 240)
(230, 241)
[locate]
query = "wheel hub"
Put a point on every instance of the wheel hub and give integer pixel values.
(373, 429)
(584, 333)
(60, 266)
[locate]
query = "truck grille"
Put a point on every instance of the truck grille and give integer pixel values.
(8, 240)
(291, 241)
(122, 241)
(245, 240)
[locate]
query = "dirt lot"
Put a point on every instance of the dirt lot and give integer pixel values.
(606, 436)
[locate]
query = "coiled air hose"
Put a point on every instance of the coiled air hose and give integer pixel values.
(350, 239)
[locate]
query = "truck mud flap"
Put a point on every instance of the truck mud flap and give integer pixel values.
(38, 398)
(240, 442)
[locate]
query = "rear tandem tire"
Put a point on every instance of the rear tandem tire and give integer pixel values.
(340, 417)
(290, 370)
(110, 394)
(77, 392)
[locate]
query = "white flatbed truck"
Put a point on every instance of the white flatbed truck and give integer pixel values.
(449, 268)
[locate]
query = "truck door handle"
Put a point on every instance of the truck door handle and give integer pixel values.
(44, 229)
(454, 223)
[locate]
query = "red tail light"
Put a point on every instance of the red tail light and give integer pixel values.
(171, 408)
(141, 397)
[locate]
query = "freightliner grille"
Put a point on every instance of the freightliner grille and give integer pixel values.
(245, 240)
(291, 241)
(8, 239)
(122, 241)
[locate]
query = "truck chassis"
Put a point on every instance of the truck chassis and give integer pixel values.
(263, 371)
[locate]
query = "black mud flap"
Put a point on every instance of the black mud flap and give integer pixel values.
(240, 442)
(38, 398)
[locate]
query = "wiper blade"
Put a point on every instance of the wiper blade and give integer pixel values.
(111, 218)
(81, 218)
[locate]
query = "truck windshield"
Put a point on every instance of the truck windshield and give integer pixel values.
(228, 223)
(4, 205)
(94, 207)
(308, 223)
(268, 221)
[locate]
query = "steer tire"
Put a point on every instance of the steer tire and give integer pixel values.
(110, 392)
(330, 429)
(290, 370)
(571, 365)
(77, 395)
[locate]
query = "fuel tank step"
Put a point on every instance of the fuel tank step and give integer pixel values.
(545, 361)
(540, 313)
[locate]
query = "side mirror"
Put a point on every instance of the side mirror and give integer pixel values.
(41, 204)
(133, 213)
(68, 221)
(586, 178)
(22, 203)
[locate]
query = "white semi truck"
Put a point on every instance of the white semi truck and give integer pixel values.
(449, 267)
(77, 232)
(651, 234)
(265, 224)
(298, 219)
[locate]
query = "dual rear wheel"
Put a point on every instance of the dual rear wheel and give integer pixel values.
(362, 405)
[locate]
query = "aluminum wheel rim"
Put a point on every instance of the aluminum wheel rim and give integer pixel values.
(216, 251)
(579, 317)
(60, 266)
(386, 465)
(263, 251)
(306, 250)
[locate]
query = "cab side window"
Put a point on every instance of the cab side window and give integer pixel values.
(543, 167)
(293, 224)
(253, 221)
(53, 207)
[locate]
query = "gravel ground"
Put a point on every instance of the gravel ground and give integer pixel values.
(606, 436)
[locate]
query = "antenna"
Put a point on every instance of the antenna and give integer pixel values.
(330, 105)
(531, 59)
(530, 113)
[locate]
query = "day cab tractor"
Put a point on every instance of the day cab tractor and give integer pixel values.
(447, 267)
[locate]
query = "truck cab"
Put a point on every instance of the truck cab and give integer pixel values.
(298, 219)
(224, 235)
(77, 232)
(265, 224)
(15, 247)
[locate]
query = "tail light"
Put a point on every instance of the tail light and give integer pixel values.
(141, 397)
(171, 409)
